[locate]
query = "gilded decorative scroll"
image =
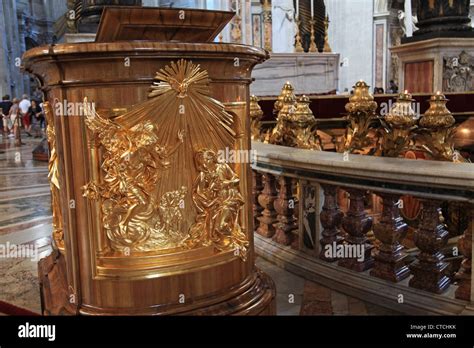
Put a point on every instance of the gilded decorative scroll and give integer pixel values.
(53, 176)
(157, 183)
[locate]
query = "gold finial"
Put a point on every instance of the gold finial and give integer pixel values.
(256, 115)
(298, 43)
(327, 48)
(401, 114)
(286, 91)
(361, 100)
(312, 45)
(438, 115)
(437, 130)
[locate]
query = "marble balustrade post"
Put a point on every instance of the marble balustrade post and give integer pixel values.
(266, 200)
(429, 271)
(464, 276)
(285, 207)
(357, 224)
(389, 256)
(331, 219)
(257, 186)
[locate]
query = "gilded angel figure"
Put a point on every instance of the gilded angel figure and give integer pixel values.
(218, 201)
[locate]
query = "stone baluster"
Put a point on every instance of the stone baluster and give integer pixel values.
(266, 200)
(356, 223)
(257, 186)
(331, 219)
(429, 271)
(389, 256)
(464, 275)
(285, 207)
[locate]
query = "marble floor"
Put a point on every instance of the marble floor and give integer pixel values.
(25, 220)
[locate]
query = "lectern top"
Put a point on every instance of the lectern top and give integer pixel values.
(120, 23)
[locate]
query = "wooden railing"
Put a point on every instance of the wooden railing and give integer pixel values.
(300, 225)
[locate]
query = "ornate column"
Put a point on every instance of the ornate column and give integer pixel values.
(389, 256)
(443, 18)
(357, 224)
(331, 219)
(285, 207)
(464, 275)
(429, 271)
(267, 25)
(266, 200)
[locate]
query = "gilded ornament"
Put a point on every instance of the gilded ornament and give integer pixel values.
(256, 115)
(217, 198)
(359, 137)
(398, 126)
(146, 170)
(53, 176)
(436, 134)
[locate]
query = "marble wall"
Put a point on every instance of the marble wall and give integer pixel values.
(23, 25)
(309, 73)
(351, 35)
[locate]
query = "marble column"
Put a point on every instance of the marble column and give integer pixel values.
(13, 83)
(267, 25)
(283, 26)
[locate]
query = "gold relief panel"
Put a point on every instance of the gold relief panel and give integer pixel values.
(156, 187)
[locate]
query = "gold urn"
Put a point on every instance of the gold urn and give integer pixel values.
(437, 131)
(398, 125)
(288, 92)
(304, 126)
(361, 109)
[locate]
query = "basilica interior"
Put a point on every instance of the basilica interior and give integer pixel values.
(237, 157)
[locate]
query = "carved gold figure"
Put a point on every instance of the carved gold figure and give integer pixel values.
(256, 115)
(150, 180)
(303, 126)
(398, 126)
(53, 176)
(218, 201)
(132, 162)
(361, 108)
(437, 131)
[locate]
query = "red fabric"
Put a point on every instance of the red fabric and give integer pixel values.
(9, 309)
(26, 120)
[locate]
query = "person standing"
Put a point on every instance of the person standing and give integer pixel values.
(25, 105)
(36, 118)
(14, 115)
(5, 107)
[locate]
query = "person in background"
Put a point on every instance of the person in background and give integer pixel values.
(14, 115)
(25, 105)
(36, 117)
(393, 87)
(5, 107)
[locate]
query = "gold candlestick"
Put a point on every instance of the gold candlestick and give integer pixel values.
(327, 48)
(298, 44)
(312, 45)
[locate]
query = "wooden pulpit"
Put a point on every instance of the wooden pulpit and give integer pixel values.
(149, 215)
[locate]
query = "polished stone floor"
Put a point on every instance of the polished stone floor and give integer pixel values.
(25, 220)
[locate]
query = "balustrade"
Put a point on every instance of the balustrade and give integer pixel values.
(342, 235)
(368, 236)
